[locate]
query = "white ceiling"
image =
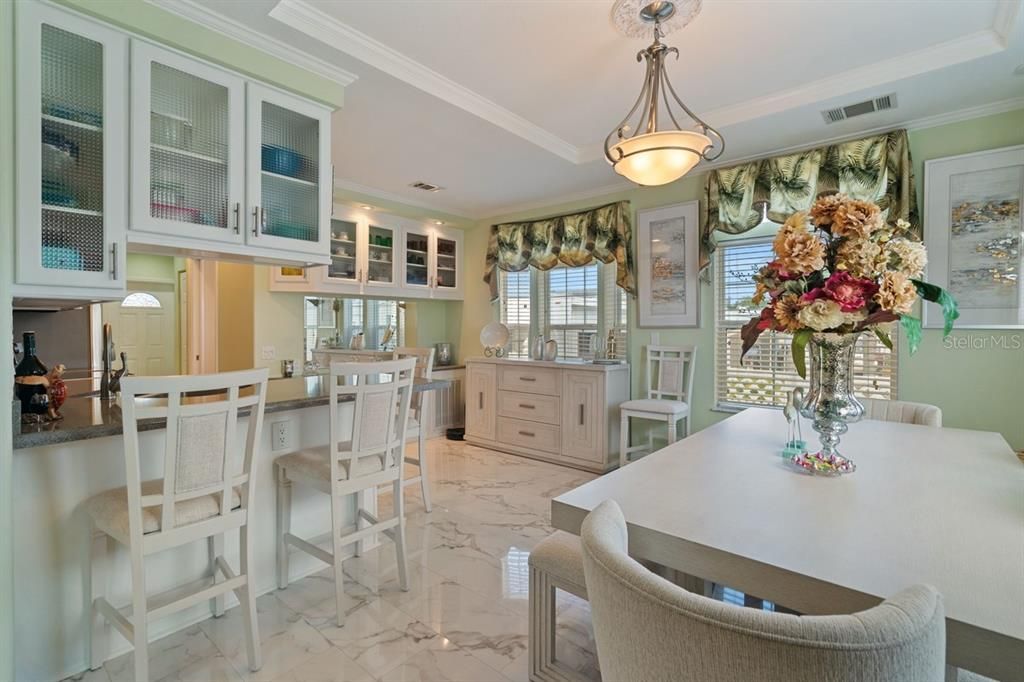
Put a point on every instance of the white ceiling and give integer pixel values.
(506, 103)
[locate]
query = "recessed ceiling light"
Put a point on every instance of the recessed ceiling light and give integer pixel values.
(439, 222)
(1019, 71)
(366, 207)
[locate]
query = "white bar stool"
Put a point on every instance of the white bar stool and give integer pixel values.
(360, 456)
(420, 401)
(669, 396)
(207, 490)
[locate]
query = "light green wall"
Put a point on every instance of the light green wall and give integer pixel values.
(150, 267)
(161, 26)
(976, 388)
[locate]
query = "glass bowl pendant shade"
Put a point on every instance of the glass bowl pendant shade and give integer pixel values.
(641, 150)
(658, 158)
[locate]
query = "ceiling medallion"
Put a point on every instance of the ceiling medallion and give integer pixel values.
(642, 152)
(630, 17)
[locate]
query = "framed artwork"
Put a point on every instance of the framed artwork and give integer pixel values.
(972, 228)
(667, 250)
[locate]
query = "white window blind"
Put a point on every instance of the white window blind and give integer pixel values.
(766, 374)
(515, 310)
(577, 307)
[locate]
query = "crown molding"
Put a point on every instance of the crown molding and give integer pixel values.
(193, 11)
(303, 17)
(620, 186)
(1006, 19)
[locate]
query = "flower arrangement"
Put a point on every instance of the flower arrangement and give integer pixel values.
(840, 269)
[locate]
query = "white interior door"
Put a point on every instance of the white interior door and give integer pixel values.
(145, 331)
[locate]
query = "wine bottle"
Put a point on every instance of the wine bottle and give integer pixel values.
(28, 378)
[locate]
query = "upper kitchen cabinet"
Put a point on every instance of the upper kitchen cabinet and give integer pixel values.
(71, 123)
(225, 167)
(433, 261)
(188, 148)
(289, 172)
(447, 248)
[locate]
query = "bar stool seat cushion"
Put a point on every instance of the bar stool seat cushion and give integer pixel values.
(109, 509)
(560, 555)
(677, 407)
(315, 463)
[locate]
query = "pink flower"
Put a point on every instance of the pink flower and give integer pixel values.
(851, 293)
(767, 319)
(813, 295)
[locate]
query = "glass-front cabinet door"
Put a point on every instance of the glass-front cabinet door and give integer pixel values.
(289, 178)
(345, 267)
(447, 257)
(380, 256)
(417, 258)
(188, 166)
(70, 142)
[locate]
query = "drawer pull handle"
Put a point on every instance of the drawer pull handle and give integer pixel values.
(527, 378)
(481, 400)
(527, 407)
(581, 414)
(529, 434)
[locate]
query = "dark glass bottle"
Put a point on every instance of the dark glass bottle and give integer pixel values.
(32, 395)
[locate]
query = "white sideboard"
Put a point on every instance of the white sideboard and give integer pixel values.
(564, 412)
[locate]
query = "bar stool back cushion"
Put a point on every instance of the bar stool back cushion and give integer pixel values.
(650, 629)
(902, 411)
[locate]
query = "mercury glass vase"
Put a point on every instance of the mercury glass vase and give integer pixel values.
(830, 402)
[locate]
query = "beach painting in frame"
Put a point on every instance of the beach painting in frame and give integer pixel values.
(667, 253)
(973, 227)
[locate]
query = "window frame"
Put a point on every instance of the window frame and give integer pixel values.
(781, 344)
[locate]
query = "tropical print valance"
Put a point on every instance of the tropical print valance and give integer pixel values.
(876, 169)
(604, 233)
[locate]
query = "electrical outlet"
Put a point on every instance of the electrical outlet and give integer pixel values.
(269, 352)
(280, 435)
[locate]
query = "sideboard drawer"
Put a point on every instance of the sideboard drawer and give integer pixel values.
(542, 380)
(529, 406)
(533, 435)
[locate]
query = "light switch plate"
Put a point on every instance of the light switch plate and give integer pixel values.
(269, 352)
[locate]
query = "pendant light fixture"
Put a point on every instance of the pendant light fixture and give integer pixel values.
(639, 148)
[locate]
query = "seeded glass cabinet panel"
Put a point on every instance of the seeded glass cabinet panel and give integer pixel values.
(71, 141)
(188, 149)
(289, 172)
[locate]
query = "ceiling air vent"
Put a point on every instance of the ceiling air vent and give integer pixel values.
(426, 186)
(868, 106)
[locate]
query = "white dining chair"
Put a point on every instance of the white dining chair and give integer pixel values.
(207, 490)
(649, 629)
(669, 396)
(417, 413)
(902, 411)
(364, 452)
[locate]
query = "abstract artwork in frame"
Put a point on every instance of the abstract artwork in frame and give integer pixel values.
(973, 228)
(667, 253)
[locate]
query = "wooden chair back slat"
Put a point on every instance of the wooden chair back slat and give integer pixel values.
(670, 372)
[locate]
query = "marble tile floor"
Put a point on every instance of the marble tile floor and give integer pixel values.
(464, 618)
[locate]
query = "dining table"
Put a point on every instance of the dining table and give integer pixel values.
(939, 506)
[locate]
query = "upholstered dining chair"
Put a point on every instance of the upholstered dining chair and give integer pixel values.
(669, 396)
(365, 451)
(417, 412)
(207, 490)
(902, 411)
(650, 629)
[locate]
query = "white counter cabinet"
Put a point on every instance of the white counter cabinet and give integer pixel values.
(563, 412)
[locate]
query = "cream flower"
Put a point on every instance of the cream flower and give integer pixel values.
(798, 251)
(907, 256)
(860, 257)
(822, 314)
(896, 293)
(855, 218)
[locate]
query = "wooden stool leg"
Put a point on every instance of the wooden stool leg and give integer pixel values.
(424, 482)
(215, 545)
(671, 430)
(284, 525)
(336, 526)
(247, 597)
(624, 440)
(100, 549)
(403, 564)
(140, 640)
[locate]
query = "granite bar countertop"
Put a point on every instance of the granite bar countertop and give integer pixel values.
(92, 417)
